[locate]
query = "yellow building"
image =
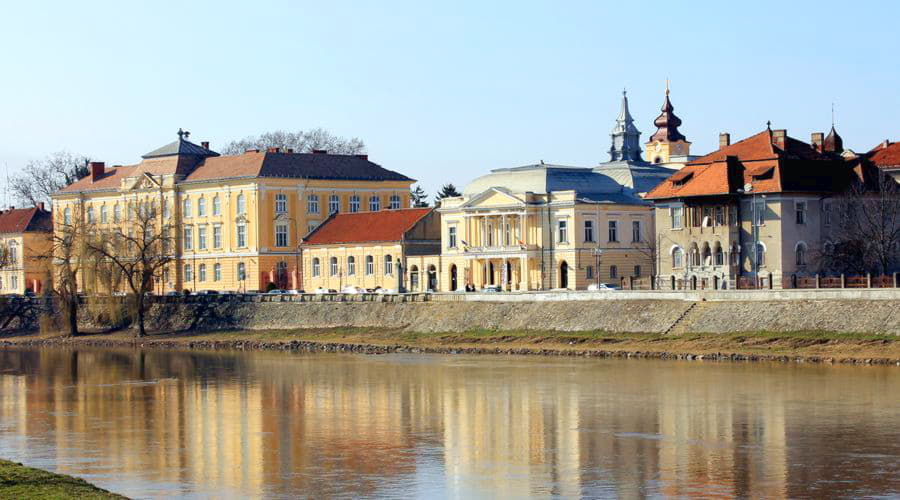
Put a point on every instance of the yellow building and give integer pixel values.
(25, 237)
(239, 218)
(392, 249)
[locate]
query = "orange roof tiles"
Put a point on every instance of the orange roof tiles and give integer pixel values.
(886, 154)
(109, 180)
(795, 167)
(364, 227)
(19, 220)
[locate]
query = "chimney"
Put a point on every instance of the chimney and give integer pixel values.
(96, 170)
(251, 151)
(290, 151)
(320, 151)
(274, 150)
(816, 140)
(41, 207)
(724, 139)
(778, 137)
(204, 144)
(363, 157)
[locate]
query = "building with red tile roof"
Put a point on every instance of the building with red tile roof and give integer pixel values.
(238, 218)
(390, 249)
(25, 238)
(756, 209)
(886, 156)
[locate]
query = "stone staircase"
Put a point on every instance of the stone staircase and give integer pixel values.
(678, 326)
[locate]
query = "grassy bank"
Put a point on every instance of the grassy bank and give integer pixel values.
(20, 482)
(805, 346)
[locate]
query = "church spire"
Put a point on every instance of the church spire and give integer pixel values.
(667, 123)
(625, 136)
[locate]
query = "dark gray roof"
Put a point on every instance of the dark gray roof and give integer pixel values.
(326, 166)
(180, 147)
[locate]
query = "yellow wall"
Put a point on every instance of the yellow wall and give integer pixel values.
(29, 271)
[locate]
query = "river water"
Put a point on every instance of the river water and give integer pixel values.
(272, 424)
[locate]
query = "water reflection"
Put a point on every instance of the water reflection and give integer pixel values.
(155, 423)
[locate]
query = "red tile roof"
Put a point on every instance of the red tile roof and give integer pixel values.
(365, 227)
(110, 179)
(886, 155)
(20, 220)
(758, 162)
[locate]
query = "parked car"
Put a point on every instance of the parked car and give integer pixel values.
(294, 292)
(602, 287)
(491, 289)
(320, 291)
(173, 293)
(276, 291)
(350, 289)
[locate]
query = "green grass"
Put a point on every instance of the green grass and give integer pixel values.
(25, 483)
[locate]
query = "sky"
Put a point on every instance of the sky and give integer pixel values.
(440, 91)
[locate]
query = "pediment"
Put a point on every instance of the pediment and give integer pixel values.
(493, 197)
(144, 181)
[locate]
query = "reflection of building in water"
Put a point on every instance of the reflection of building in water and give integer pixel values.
(270, 424)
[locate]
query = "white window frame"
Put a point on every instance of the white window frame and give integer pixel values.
(355, 203)
(217, 272)
(370, 265)
(334, 204)
(316, 267)
(388, 265)
(217, 205)
(589, 230)
(451, 236)
(562, 231)
(394, 202)
(217, 236)
(188, 238)
(201, 207)
(201, 237)
(240, 235)
(186, 208)
(312, 204)
(282, 238)
(613, 231)
(281, 202)
(374, 203)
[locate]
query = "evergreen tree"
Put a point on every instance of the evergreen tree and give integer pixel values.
(447, 191)
(418, 197)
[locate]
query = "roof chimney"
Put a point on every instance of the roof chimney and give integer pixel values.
(273, 150)
(289, 151)
(320, 151)
(96, 170)
(816, 140)
(724, 139)
(41, 206)
(205, 144)
(778, 137)
(363, 157)
(251, 151)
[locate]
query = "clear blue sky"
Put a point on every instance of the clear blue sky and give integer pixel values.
(439, 92)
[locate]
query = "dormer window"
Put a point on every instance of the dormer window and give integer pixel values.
(681, 177)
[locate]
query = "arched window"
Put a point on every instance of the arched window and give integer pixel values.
(188, 273)
(395, 202)
(241, 204)
(677, 257)
(414, 278)
(117, 212)
(800, 252)
(333, 266)
(186, 208)
(241, 271)
(201, 273)
(388, 265)
(760, 255)
(370, 265)
(719, 255)
(316, 267)
(13, 252)
(67, 216)
(374, 203)
(217, 272)
(613, 272)
(351, 266)
(217, 206)
(707, 255)
(201, 207)
(354, 203)
(103, 214)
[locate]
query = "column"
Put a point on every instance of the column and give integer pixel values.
(503, 241)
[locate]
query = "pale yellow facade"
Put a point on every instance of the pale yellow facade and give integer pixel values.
(25, 269)
(231, 234)
(529, 241)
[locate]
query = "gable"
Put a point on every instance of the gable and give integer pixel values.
(493, 197)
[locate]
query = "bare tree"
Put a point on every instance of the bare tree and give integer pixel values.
(300, 141)
(69, 258)
(866, 235)
(41, 178)
(140, 250)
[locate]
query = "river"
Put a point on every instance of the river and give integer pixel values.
(276, 424)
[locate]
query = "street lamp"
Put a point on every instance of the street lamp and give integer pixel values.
(597, 252)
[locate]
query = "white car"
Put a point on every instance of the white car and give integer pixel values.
(602, 287)
(350, 289)
(321, 291)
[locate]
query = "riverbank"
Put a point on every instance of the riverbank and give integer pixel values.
(808, 346)
(23, 483)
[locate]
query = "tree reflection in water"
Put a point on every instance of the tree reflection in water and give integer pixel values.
(163, 423)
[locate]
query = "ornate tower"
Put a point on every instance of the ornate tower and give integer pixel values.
(625, 136)
(667, 142)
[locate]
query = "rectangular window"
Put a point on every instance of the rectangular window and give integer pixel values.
(201, 207)
(241, 235)
(280, 203)
(187, 207)
(334, 204)
(201, 237)
(451, 237)
(374, 203)
(826, 216)
(395, 202)
(217, 236)
(103, 214)
(90, 215)
(351, 266)
(217, 206)
(635, 231)
(588, 231)
(760, 209)
(613, 231)
(388, 265)
(167, 212)
(217, 272)
(677, 217)
(188, 238)
(354, 203)
(311, 225)
(370, 265)
(334, 266)
(563, 229)
(800, 207)
(201, 274)
(241, 271)
(720, 216)
(637, 271)
(589, 272)
(188, 273)
(281, 235)
(312, 204)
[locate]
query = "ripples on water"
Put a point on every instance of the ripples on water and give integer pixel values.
(196, 424)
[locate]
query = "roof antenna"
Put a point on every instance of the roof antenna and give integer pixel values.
(667, 86)
(180, 133)
(768, 124)
(832, 114)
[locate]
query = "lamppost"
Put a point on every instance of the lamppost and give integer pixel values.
(597, 252)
